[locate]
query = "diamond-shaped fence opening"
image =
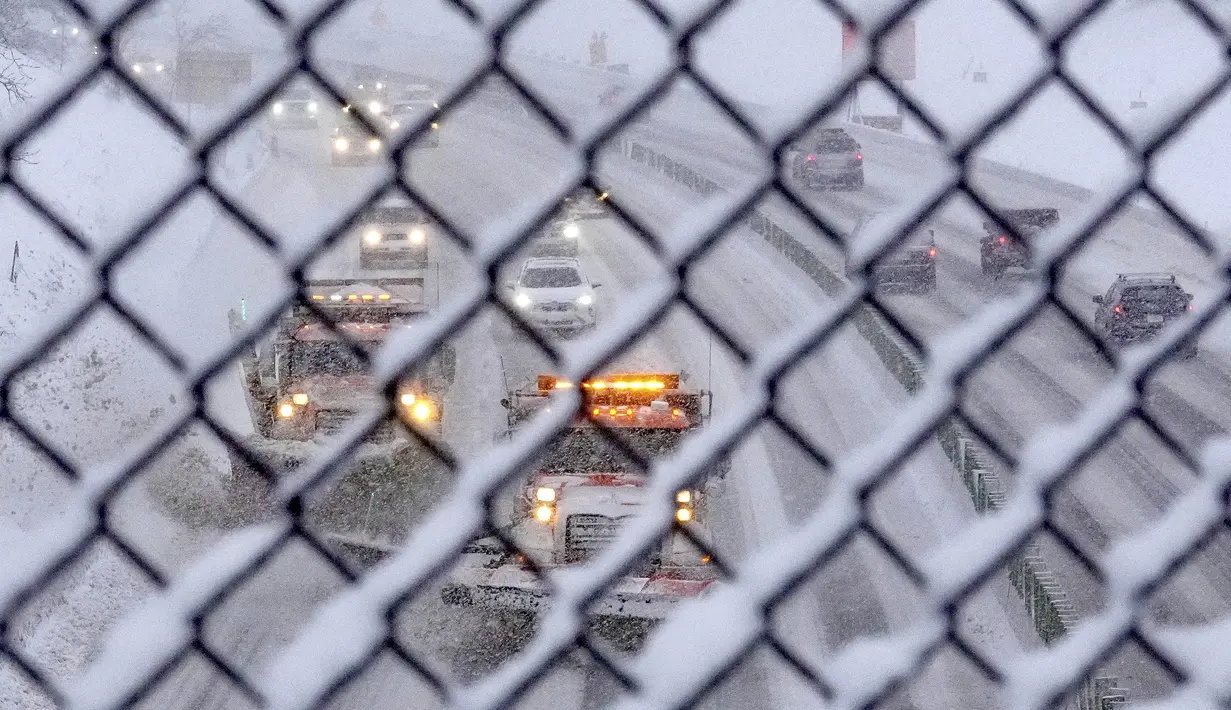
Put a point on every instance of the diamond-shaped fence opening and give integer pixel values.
(652, 355)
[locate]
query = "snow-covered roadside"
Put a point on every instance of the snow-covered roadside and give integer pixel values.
(100, 389)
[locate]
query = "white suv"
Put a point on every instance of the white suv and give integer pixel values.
(555, 294)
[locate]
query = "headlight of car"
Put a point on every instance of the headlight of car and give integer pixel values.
(394, 125)
(159, 67)
(136, 68)
(522, 300)
(299, 399)
(572, 231)
(435, 125)
(277, 108)
(421, 411)
(372, 237)
(374, 107)
(286, 410)
(417, 236)
(341, 145)
(585, 299)
(374, 145)
(408, 399)
(312, 107)
(545, 494)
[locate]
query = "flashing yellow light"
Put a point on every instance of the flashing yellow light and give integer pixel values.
(353, 297)
(318, 297)
(627, 384)
(422, 411)
(611, 411)
(683, 515)
(341, 145)
(675, 412)
(368, 297)
(563, 384)
(286, 410)
(372, 237)
(683, 497)
(543, 513)
(300, 398)
(595, 412)
(384, 297)
(408, 399)
(546, 494)
(374, 145)
(705, 559)
(597, 385)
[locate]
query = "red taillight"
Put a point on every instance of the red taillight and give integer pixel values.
(1190, 306)
(932, 251)
(811, 158)
(859, 156)
(1004, 239)
(1118, 309)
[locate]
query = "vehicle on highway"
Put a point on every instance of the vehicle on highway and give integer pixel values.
(556, 295)
(561, 237)
(351, 144)
(584, 203)
(369, 91)
(611, 96)
(296, 108)
(910, 266)
(1138, 306)
(583, 489)
(413, 105)
(1000, 251)
(304, 385)
(833, 159)
(394, 236)
(147, 66)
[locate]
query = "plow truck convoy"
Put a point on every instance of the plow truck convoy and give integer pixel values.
(305, 385)
(577, 496)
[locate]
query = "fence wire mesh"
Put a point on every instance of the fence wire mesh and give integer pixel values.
(397, 505)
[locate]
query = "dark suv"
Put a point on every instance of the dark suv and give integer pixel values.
(999, 251)
(911, 266)
(1138, 306)
(835, 159)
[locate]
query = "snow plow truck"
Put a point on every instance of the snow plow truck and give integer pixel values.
(576, 497)
(304, 385)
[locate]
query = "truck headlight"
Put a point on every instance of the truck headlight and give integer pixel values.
(435, 126)
(546, 494)
(543, 513)
(421, 411)
(572, 231)
(341, 145)
(394, 125)
(372, 237)
(683, 514)
(407, 399)
(374, 145)
(585, 299)
(417, 236)
(158, 67)
(277, 108)
(286, 410)
(374, 107)
(522, 300)
(683, 497)
(299, 399)
(137, 69)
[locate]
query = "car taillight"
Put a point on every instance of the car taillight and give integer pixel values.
(858, 157)
(1190, 306)
(811, 158)
(1118, 309)
(1003, 239)
(932, 251)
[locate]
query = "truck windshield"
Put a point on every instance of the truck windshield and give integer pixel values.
(323, 358)
(589, 451)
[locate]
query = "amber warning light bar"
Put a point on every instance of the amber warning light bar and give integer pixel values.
(621, 382)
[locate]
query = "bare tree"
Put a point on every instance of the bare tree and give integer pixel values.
(22, 46)
(194, 34)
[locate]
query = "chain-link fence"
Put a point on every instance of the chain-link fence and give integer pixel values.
(352, 369)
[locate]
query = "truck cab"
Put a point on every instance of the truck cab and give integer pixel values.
(582, 490)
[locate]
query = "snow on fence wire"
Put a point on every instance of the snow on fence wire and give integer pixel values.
(1041, 592)
(699, 646)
